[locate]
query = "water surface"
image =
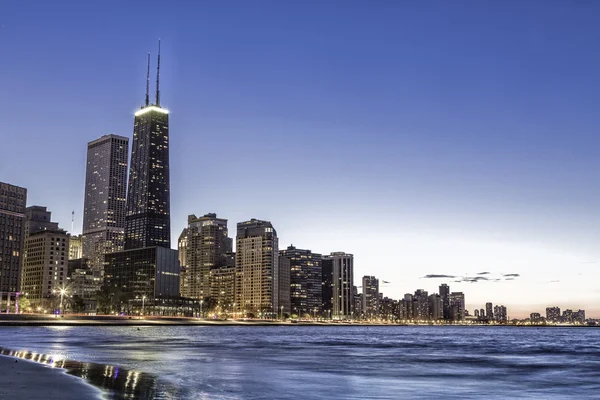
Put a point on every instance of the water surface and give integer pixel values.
(336, 362)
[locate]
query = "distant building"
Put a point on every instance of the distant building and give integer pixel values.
(222, 288)
(358, 312)
(407, 307)
(45, 262)
(342, 285)
(445, 295)
(83, 281)
(13, 201)
(579, 317)
(305, 280)
(104, 199)
(389, 309)
(553, 314)
(284, 304)
(535, 317)
(489, 311)
(481, 313)
(327, 286)
(207, 245)
(421, 305)
(75, 247)
(436, 307)
(257, 269)
(567, 316)
(457, 306)
(370, 297)
(182, 244)
(500, 314)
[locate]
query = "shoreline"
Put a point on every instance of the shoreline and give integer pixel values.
(69, 379)
(26, 378)
(12, 320)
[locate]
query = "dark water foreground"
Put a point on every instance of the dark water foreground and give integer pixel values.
(339, 362)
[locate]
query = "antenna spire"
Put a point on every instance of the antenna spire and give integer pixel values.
(158, 76)
(148, 83)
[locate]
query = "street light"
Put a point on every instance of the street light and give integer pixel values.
(201, 301)
(282, 313)
(62, 292)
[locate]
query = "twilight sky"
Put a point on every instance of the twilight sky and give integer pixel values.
(426, 138)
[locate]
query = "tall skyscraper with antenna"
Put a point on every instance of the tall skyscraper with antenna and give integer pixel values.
(148, 217)
(147, 271)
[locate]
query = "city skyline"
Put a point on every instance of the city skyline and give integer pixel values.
(532, 236)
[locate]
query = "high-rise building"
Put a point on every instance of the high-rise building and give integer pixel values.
(552, 314)
(45, 260)
(370, 297)
(104, 201)
(257, 269)
(407, 311)
(457, 306)
(421, 305)
(476, 313)
(148, 267)
(327, 286)
(489, 311)
(500, 314)
(579, 317)
(75, 247)
(148, 217)
(207, 245)
(182, 244)
(535, 317)
(305, 283)
(445, 295)
(13, 201)
(342, 285)
(436, 307)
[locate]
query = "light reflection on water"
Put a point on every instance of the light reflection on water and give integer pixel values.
(306, 362)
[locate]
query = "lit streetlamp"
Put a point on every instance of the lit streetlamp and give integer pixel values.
(201, 301)
(143, 303)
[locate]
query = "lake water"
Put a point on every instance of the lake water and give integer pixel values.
(336, 362)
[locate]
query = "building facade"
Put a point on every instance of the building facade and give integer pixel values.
(148, 215)
(500, 314)
(75, 247)
(257, 269)
(305, 280)
(207, 246)
(342, 285)
(457, 306)
(13, 201)
(105, 197)
(370, 297)
(150, 272)
(45, 265)
(445, 295)
(553, 314)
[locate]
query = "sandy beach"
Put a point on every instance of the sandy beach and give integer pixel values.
(29, 380)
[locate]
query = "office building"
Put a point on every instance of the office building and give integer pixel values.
(579, 317)
(105, 196)
(182, 242)
(148, 215)
(305, 280)
(257, 269)
(370, 297)
(342, 285)
(38, 218)
(150, 272)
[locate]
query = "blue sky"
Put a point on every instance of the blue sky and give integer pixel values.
(424, 138)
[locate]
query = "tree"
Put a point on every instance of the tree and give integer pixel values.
(77, 305)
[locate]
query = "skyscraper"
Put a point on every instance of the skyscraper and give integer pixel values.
(421, 305)
(552, 314)
(370, 297)
(327, 285)
(257, 268)
(148, 267)
(148, 217)
(489, 311)
(457, 306)
(13, 200)
(207, 246)
(104, 203)
(342, 285)
(445, 295)
(305, 280)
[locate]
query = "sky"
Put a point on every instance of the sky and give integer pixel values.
(426, 138)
